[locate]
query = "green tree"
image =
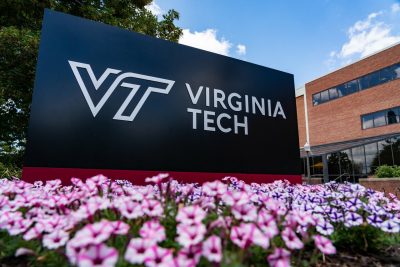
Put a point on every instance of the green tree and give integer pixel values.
(20, 24)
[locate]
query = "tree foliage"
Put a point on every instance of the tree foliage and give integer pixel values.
(20, 24)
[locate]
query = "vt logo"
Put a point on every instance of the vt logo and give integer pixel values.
(117, 82)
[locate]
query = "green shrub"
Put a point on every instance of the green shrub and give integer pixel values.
(386, 171)
(397, 171)
(363, 238)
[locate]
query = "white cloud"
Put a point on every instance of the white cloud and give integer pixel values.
(364, 38)
(395, 7)
(206, 40)
(155, 9)
(241, 49)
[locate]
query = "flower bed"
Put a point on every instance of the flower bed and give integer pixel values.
(101, 222)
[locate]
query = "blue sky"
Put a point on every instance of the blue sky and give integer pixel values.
(308, 38)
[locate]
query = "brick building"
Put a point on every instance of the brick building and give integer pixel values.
(351, 117)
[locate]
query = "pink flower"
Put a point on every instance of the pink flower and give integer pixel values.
(215, 188)
(90, 208)
(157, 179)
(152, 230)
(34, 232)
(247, 234)
(189, 235)
(97, 180)
(291, 239)
(94, 233)
(324, 244)
(152, 208)
(98, 255)
(55, 239)
(72, 250)
(119, 228)
(235, 198)
(280, 258)
(130, 209)
(267, 224)
(19, 226)
(245, 212)
(157, 257)
(190, 215)
(52, 185)
(188, 256)
(183, 261)
(136, 251)
(212, 249)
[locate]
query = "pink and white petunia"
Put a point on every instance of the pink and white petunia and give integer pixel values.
(231, 198)
(157, 179)
(291, 239)
(324, 244)
(34, 232)
(152, 230)
(190, 215)
(136, 251)
(189, 256)
(280, 258)
(94, 233)
(55, 239)
(98, 255)
(247, 234)
(119, 228)
(189, 235)
(215, 188)
(212, 249)
(130, 209)
(152, 208)
(245, 212)
(158, 257)
(267, 224)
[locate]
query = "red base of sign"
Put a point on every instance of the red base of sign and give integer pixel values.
(31, 174)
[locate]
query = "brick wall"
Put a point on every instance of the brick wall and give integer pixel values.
(387, 185)
(339, 119)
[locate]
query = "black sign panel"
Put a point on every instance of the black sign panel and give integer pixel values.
(111, 99)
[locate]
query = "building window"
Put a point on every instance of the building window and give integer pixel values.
(316, 99)
(370, 80)
(381, 118)
(333, 93)
(368, 121)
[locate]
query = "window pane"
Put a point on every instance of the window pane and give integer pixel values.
(317, 165)
(396, 70)
(371, 157)
(369, 80)
(333, 165)
(346, 162)
(367, 121)
(387, 74)
(358, 160)
(333, 93)
(371, 149)
(385, 152)
(324, 96)
(316, 99)
(379, 119)
(391, 116)
(342, 91)
(352, 87)
(396, 151)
